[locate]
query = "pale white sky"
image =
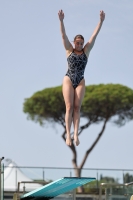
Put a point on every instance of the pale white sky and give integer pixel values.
(32, 58)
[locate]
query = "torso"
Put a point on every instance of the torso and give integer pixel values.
(76, 67)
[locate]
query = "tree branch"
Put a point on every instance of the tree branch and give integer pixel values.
(87, 124)
(62, 122)
(72, 147)
(84, 126)
(93, 145)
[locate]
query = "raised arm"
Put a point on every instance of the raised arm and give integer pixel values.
(90, 43)
(68, 46)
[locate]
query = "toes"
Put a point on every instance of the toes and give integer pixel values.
(77, 143)
(68, 143)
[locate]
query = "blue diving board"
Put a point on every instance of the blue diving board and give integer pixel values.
(56, 188)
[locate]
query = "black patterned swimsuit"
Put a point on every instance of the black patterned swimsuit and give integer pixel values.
(76, 67)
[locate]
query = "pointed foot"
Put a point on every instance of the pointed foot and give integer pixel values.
(68, 140)
(76, 140)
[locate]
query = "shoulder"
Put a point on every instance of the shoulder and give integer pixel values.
(68, 52)
(87, 49)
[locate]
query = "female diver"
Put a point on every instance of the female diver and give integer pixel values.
(74, 83)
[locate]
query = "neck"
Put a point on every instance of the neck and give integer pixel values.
(78, 50)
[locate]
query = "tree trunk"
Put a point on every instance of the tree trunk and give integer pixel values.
(94, 144)
(74, 162)
(77, 169)
(78, 174)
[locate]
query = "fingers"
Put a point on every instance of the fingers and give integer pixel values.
(61, 15)
(60, 12)
(102, 12)
(102, 15)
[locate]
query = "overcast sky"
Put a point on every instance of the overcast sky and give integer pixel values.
(32, 57)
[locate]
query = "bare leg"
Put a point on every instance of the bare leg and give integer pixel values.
(68, 93)
(78, 97)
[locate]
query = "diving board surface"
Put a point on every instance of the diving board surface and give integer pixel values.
(57, 187)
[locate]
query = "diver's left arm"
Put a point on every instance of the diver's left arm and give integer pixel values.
(90, 43)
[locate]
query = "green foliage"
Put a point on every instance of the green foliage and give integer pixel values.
(128, 178)
(100, 102)
(92, 188)
(107, 179)
(105, 101)
(47, 104)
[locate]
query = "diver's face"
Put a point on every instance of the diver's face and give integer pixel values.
(79, 44)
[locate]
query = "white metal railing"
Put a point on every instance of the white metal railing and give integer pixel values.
(1, 171)
(31, 182)
(108, 185)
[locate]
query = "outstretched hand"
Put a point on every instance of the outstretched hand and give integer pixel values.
(102, 16)
(61, 15)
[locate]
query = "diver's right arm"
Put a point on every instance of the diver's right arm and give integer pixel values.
(68, 46)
